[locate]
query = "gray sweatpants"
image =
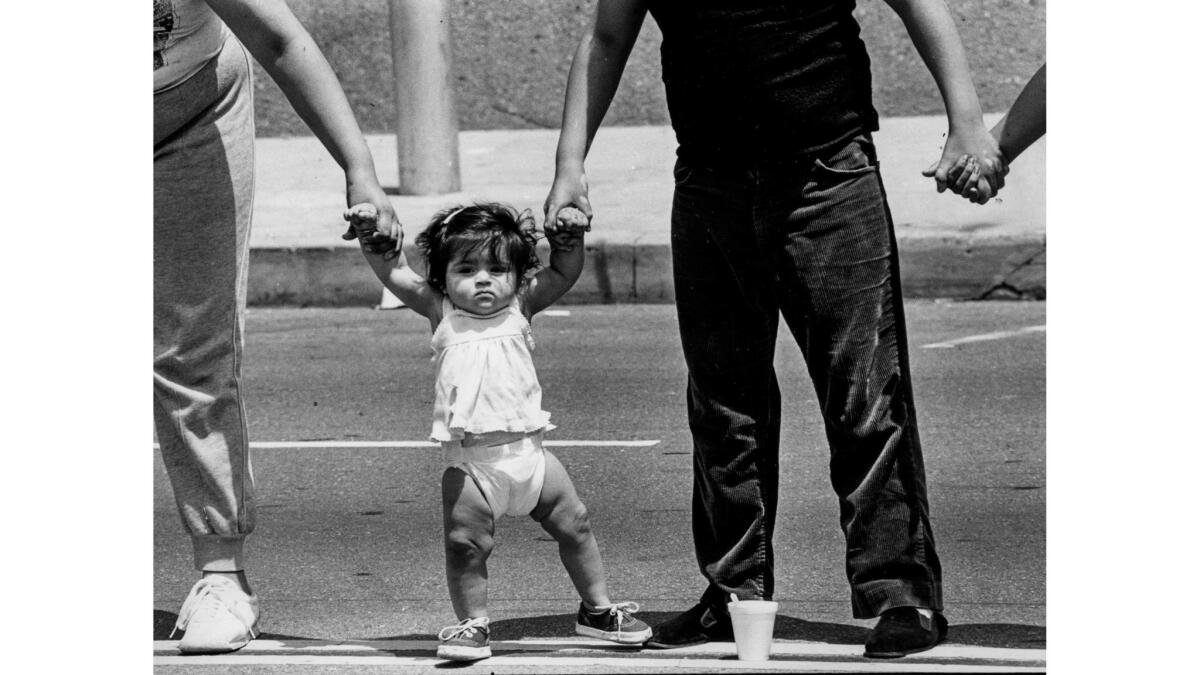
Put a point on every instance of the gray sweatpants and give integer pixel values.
(203, 197)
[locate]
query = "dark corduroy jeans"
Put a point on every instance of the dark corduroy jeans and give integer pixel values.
(811, 240)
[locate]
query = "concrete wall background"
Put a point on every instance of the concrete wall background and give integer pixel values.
(512, 57)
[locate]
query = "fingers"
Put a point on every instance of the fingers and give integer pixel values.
(554, 204)
(993, 171)
(976, 180)
(362, 213)
(981, 192)
(939, 173)
(585, 205)
(392, 228)
(358, 215)
(567, 209)
(364, 220)
(378, 230)
(572, 220)
(967, 177)
(392, 240)
(957, 169)
(998, 177)
(399, 242)
(550, 224)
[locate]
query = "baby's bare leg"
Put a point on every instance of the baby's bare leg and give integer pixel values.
(469, 527)
(565, 518)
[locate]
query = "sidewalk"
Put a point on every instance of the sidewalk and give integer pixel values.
(949, 247)
(560, 655)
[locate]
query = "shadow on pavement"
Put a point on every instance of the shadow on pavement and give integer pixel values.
(164, 623)
(1001, 635)
(786, 628)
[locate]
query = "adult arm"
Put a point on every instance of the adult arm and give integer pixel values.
(277, 40)
(595, 73)
(931, 27)
(1025, 121)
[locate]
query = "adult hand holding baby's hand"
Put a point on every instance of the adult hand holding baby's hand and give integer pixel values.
(376, 228)
(569, 192)
(373, 229)
(566, 229)
(573, 220)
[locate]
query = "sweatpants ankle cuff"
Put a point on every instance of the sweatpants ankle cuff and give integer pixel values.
(218, 554)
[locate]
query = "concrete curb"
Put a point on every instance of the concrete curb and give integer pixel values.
(959, 269)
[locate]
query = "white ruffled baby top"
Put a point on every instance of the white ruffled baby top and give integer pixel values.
(484, 376)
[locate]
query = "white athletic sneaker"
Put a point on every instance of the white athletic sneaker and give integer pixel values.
(217, 616)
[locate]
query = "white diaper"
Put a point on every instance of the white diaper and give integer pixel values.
(510, 475)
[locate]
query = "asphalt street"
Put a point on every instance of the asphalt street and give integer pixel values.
(348, 544)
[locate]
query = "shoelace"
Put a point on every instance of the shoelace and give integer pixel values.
(623, 611)
(466, 628)
(221, 592)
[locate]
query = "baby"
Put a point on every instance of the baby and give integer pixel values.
(479, 295)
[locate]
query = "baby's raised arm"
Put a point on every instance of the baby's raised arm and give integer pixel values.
(566, 260)
(397, 276)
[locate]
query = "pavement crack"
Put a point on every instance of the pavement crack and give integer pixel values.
(1004, 289)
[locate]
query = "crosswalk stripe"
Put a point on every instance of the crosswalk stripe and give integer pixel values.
(563, 653)
(565, 663)
(1000, 335)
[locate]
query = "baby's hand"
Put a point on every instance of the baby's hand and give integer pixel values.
(573, 220)
(364, 221)
(567, 229)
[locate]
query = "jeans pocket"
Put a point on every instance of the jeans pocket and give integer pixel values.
(855, 158)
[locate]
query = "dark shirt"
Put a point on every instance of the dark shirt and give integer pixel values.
(763, 79)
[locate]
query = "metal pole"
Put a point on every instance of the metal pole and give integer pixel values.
(426, 123)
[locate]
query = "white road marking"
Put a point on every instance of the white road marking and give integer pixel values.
(573, 652)
(556, 312)
(309, 445)
(985, 337)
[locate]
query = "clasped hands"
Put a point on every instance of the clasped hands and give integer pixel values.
(972, 167)
(367, 225)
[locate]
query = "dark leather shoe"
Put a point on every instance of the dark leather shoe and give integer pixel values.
(902, 631)
(696, 626)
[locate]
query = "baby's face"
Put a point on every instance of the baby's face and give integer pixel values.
(479, 283)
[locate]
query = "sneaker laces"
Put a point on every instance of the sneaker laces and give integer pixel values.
(465, 628)
(623, 611)
(224, 594)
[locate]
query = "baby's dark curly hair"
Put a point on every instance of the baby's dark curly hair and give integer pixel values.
(507, 234)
